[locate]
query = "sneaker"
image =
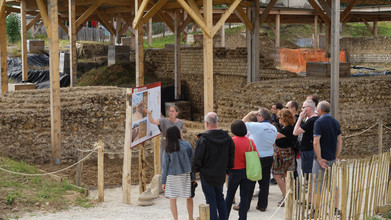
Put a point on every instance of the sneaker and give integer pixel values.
(273, 181)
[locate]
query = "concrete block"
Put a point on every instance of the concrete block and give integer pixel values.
(118, 54)
(323, 69)
(20, 86)
(64, 63)
(35, 46)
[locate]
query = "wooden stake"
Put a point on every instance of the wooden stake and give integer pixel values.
(72, 43)
(380, 140)
(141, 169)
(127, 165)
(204, 211)
(156, 155)
(55, 106)
(3, 51)
(79, 169)
(290, 198)
(344, 189)
(101, 170)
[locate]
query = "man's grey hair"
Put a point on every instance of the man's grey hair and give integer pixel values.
(211, 118)
(264, 112)
(310, 103)
(324, 106)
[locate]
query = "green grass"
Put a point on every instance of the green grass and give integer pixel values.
(26, 193)
(160, 42)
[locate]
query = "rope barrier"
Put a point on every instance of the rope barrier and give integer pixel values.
(58, 171)
(386, 127)
(362, 131)
(283, 202)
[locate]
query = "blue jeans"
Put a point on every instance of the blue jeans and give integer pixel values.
(307, 159)
(215, 198)
(238, 178)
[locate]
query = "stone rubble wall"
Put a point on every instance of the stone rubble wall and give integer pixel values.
(363, 101)
(367, 50)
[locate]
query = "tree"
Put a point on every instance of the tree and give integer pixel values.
(13, 27)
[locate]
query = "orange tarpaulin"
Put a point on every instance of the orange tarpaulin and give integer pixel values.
(295, 60)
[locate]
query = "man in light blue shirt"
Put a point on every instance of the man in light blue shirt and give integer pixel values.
(264, 135)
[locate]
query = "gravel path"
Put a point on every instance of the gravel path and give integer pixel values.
(113, 208)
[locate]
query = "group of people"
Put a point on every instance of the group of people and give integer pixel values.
(283, 138)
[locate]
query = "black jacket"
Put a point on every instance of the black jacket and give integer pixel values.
(214, 156)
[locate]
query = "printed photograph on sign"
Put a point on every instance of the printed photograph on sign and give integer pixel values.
(147, 97)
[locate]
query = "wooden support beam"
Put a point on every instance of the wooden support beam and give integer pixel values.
(185, 23)
(126, 25)
(55, 106)
(326, 8)
(278, 25)
(167, 19)
(345, 13)
(150, 33)
(225, 16)
(244, 17)
(62, 25)
(3, 50)
(272, 27)
(208, 57)
(320, 12)
(23, 34)
(72, 42)
(316, 34)
(253, 43)
(155, 8)
(177, 55)
(196, 8)
(116, 10)
(44, 15)
(140, 12)
(266, 12)
(118, 26)
(106, 23)
(196, 18)
(367, 24)
(375, 28)
(88, 13)
(33, 22)
(37, 29)
(334, 88)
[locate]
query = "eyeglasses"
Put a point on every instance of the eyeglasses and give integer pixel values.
(304, 107)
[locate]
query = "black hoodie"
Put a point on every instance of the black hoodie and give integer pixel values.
(214, 156)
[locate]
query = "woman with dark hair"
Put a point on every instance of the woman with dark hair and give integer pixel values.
(176, 171)
(284, 157)
(237, 176)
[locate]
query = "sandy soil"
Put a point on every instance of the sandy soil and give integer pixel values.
(113, 208)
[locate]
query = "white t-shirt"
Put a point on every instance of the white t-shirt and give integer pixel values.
(264, 135)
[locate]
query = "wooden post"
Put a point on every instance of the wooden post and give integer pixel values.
(101, 170)
(139, 53)
(290, 198)
(316, 34)
(3, 50)
(253, 43)
(150, 32)
(278, 28)
(156, 155)
(23, 35)
(222, 34)
(72, 43)
(55, 107)
(380, 133)
(335, 22)
(112, 36)
(177, 55)
(127, 165)
(79, 168)
(208, 57)
(375, 28)
(118, 27)
(142, 172)
(204, 211)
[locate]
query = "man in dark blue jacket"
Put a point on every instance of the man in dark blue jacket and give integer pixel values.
(213, 158)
